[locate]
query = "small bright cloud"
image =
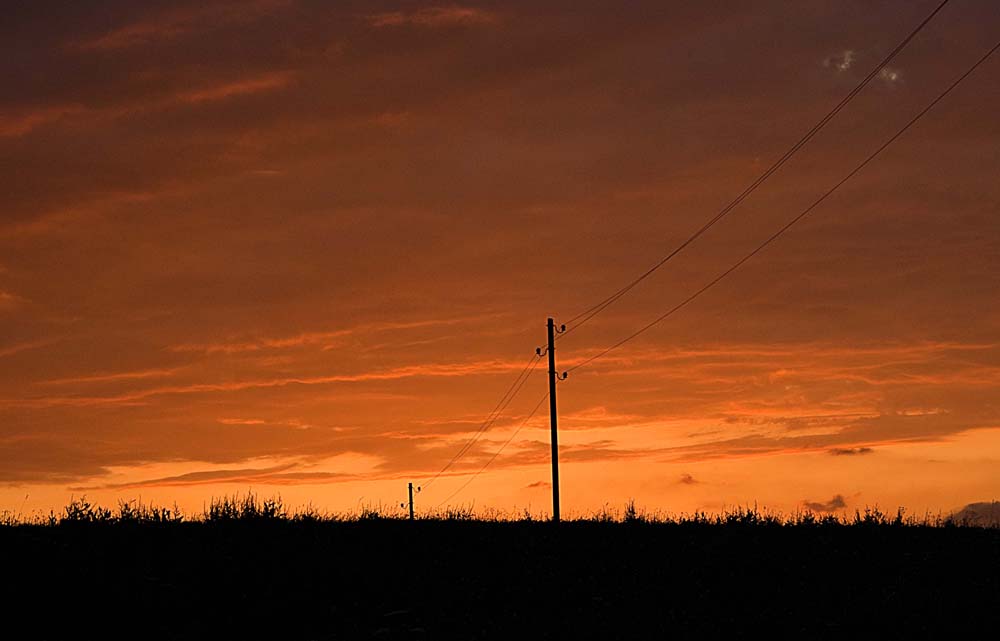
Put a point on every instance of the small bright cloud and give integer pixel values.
(889, 75)
(841, 61)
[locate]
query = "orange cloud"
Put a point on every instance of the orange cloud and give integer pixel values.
(172, 24)
(313, 338)
(408, 371)
(262, 83)
(9, 301)
(433, 17)
(104, 378)
(25, 123)
(20, 347)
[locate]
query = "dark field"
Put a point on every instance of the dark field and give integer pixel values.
(265, 575)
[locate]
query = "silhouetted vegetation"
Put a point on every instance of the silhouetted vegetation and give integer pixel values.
(251, 567)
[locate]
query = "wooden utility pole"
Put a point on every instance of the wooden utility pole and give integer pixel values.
(553, 415)
(410, 488)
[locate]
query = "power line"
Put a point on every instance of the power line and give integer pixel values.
(495, 454)
(594, 310)
(491, 418)
(793, 221)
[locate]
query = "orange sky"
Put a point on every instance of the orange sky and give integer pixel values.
(303, 248)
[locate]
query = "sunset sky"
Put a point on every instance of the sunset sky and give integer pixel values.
(303, 247)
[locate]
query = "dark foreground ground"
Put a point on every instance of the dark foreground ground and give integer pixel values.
(480, 580)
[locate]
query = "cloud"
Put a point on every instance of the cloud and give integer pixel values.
(9, 301)
(538, 484)
(104, 378)
(242, 421)
(16, 125)
(26, 122)
(199, 478)
(687, 479)
(494, 366)
(836, 503)
(841, 61)
(850, 451)
(312, 338)
(262, 83)
(890, 76)
(295, 423)
(433, 17)
(168, 25)
(10, 350)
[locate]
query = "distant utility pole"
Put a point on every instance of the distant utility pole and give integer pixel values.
(553, 414)
(409, 487)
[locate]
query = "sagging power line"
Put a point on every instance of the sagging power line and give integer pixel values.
(857, 169)
(492, 417)
(596, 309)
(794, 220)
(586, 315)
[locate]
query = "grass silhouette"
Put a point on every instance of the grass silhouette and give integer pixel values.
(250, 567)
(251, 508)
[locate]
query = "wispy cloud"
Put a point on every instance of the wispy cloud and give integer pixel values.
(242, 421)
(433, 17)
(20, 124)
(199, 478)
(20, 347)
(64, 218)
(172, 24)
(409, 371)
(108, 377)
(235, 347)
(9, 301)
(311, 338)
(262, 83)
(294, 423)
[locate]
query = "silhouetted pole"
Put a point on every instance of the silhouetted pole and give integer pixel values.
(410, 488)
(553, 416)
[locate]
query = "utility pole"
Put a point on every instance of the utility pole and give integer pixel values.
(410, 488)
(553, 415)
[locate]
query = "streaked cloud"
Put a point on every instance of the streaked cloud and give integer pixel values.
(9, 350)
(175, 23)
(434, 17)
(9, 301)
(262, 83)
(314, 338)
(109, 377)
(242, 421)
(246, 475)
(408, 371)
(12, 125)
